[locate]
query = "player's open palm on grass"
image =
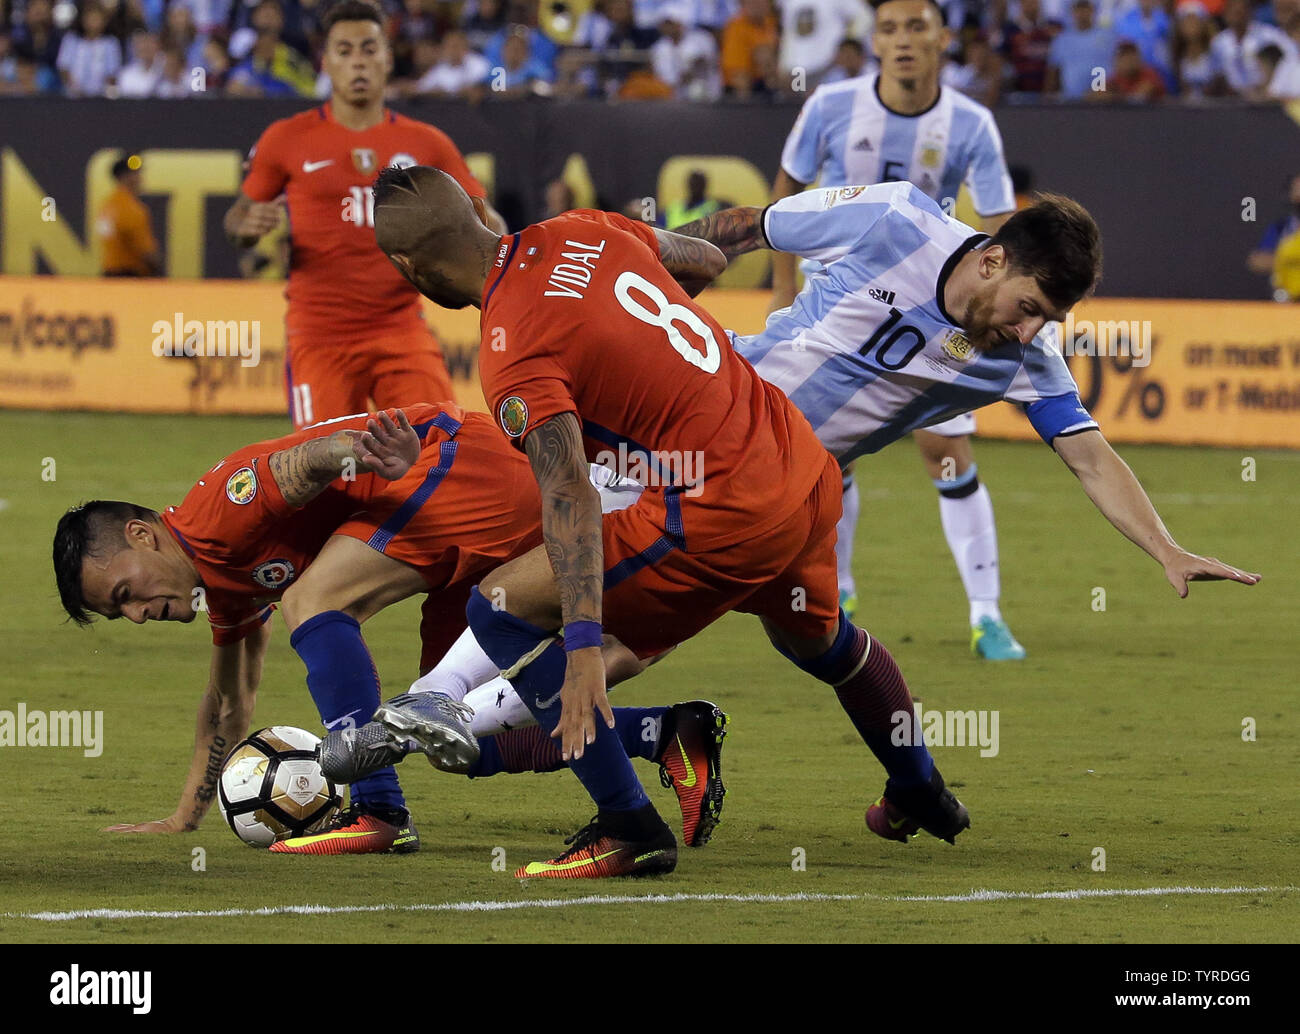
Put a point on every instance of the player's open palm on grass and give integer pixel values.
(1183, 568)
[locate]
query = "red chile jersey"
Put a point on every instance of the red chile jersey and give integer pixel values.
(338, 277)
(249, 545)
(580, 316)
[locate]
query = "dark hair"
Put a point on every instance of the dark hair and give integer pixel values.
(853, 44)
(84, 532)
(1056, 242)
(390, 179)
(123, 165)
(1270, 52)
(351, 11)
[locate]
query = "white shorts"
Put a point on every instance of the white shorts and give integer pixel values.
(955, 427)
(616, 493)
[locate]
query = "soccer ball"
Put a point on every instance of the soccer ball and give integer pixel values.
(272, 787)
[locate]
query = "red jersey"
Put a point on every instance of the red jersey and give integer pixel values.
(579, 315)
(469, 503)
(340, 284)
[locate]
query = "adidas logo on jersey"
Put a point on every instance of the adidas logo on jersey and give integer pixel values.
(863, 145)
(881, 295)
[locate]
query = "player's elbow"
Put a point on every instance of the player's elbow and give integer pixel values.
(714, 262)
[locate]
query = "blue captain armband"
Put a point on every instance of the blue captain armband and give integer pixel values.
(1058, 415)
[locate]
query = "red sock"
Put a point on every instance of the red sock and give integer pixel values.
(876, 690)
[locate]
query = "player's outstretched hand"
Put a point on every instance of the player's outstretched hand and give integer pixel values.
(387, 448)
(168, 825)
(1188, 567)
(581, 696)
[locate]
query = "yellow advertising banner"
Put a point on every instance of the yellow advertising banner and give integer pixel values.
(1195, 372)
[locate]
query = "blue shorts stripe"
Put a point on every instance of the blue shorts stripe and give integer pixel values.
(443, 421)
(625, 569)
(403, 514)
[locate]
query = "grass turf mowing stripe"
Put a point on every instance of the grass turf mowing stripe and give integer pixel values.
(975, 896)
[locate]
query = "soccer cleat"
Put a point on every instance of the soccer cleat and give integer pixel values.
(597, 853)
(438, 725)
(902, 811)
(356, 831)
(690, 763)
(992, 640)
(886, 821)
(848, 603)
(347, 755)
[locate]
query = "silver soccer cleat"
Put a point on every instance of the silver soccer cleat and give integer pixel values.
(437, 725)
(354, 752)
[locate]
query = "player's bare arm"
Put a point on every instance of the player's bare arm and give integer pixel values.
(388, 448)
(1116, 492)
(784, 265)
(572, 534)
(694, 263)
(248, 221)
(734, 231)
(224, 716)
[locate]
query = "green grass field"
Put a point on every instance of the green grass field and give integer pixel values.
(1122, 731)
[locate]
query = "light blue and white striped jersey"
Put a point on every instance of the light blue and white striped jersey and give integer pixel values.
(846, 135)
(867, 351)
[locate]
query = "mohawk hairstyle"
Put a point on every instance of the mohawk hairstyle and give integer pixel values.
(83, 533)
(391, 180)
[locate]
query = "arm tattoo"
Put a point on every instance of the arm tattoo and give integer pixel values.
(689, 259)
(734, 230)
(304, 471)
(570, 516)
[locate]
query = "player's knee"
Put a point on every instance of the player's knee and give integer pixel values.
(299, 604)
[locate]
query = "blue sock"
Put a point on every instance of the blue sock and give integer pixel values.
(533, 749)
(343, 682)
(604, 768)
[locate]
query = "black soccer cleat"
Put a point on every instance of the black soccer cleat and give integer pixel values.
(902, 811)
(690, 763)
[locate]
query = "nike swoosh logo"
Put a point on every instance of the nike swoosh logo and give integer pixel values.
(544, 704)
(689, 781)
(899, 824)
(334, 835)
(536, 867)
(313, 166)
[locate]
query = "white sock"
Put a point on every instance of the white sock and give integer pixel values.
(973, 538)
(497, 708)
(844, 532)
(461, 669)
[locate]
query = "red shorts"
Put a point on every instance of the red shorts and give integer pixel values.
(657, 596)
(394, 368)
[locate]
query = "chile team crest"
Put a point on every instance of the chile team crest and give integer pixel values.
(364, 160)
(274, 574)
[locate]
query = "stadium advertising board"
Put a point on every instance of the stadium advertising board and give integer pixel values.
(1213, 373)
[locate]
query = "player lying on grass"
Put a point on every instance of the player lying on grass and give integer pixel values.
(604, 350)
(915, 317)
(337, 526)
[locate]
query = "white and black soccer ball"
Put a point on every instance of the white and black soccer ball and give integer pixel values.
(272, 787)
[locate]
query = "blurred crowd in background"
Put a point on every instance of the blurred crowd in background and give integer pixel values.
(702, 50)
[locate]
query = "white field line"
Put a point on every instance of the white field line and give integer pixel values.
(975, 896)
